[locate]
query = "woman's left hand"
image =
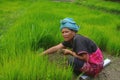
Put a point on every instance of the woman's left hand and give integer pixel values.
(67, 51)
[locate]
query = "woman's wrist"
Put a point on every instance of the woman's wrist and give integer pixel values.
(73, 53)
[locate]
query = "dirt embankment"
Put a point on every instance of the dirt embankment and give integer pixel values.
(112, 71)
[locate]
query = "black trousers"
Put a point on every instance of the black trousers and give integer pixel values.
(76, 64)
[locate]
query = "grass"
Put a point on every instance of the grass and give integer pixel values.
(9, 12)
(37, 28)
(107, 6)
(32, 67)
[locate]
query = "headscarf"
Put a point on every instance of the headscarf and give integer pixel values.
(69, 23)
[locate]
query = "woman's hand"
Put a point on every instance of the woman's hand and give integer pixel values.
(83, 56)
(67, 51)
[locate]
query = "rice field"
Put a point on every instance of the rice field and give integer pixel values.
(29, 27)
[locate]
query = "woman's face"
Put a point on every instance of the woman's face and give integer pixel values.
(67, 34)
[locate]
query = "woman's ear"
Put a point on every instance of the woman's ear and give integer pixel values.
(73, 33)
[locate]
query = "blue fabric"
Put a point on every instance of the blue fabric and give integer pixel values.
(69, 23)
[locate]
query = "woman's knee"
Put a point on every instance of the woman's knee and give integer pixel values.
(75, 62)
(71, 60)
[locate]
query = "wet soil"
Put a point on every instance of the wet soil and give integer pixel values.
(110, 72)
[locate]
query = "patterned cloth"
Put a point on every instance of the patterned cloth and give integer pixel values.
(69, 23)
(94, 64)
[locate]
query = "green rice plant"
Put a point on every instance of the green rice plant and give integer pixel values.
(107, 6)
(24, 0)
(31, 67)
(113, 45)
(10, 12)
(36, 33)
(38, 20)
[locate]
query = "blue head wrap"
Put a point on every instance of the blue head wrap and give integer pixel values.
(69, 23)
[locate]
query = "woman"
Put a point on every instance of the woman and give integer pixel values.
(87, 57)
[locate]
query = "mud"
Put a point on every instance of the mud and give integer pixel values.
(112, 71)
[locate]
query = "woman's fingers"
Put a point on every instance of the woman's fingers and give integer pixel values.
(65, 51)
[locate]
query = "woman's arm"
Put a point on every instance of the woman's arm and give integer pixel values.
(53, 49)
(83, 56)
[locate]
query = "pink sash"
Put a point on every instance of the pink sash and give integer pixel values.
(94, 64)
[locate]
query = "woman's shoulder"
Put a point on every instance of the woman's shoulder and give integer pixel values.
(80, 37)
